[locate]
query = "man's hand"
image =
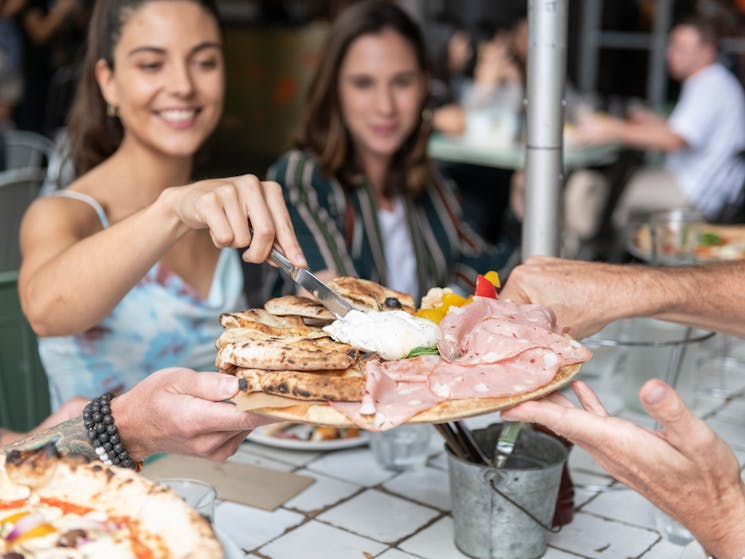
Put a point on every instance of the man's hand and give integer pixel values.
(583, 295)
(182, 411)
(684, 468)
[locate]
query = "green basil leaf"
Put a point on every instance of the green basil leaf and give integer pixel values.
(423, 350)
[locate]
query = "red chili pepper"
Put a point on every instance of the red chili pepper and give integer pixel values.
(485, 288)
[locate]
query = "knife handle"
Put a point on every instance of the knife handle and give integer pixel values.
(279, 259)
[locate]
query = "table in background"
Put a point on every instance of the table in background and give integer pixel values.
(457, 150)
(356, 507)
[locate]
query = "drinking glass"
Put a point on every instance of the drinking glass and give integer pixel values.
(197, 494)
(401, 448)
(671, 529)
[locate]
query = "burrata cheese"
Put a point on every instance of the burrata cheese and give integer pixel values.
(392, 334)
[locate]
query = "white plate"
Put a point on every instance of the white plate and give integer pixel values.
(229, 547)
(262, 435)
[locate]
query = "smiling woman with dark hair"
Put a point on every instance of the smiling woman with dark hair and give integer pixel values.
(128, 269)
(364, 197)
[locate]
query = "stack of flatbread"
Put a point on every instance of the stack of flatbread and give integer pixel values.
(291, 369)
(286, 359)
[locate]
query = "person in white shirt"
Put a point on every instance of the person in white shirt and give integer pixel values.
(703, 138)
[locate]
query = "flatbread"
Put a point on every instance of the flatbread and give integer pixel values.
(368, 294)
(148, 520)
(274, 354)
(348, 385)
(452, 410)
(240, 319)
(294, 305)
(260, 332)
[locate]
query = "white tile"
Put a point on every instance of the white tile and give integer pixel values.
(590, 482)
(315, 540)
(435, 542)
(294, 457)
(552, 553)
(396, 554)
(625, 505)
(591, 536)
(425, 485)
(663, 549)
(580, 460)
(326, 491)
(250, 528)
(583, 496)
(358, 466)
(379, 516)
(246, 457)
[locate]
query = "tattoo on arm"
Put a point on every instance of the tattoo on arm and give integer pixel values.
(70, 437)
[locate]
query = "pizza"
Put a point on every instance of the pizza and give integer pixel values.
(701, 242)
(379, 366)
(70, 507)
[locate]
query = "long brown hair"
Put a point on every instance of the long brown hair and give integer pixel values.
(94, 134)
(322, 130)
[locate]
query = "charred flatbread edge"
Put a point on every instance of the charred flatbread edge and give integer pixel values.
(450, 410)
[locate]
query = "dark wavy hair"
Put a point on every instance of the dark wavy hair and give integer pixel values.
(322, 129)
(95, 136)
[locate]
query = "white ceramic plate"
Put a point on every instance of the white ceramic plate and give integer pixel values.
(263, 435)
(229, 547)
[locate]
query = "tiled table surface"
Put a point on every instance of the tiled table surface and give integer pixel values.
(357, 510)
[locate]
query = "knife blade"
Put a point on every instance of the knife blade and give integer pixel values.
(302, 277)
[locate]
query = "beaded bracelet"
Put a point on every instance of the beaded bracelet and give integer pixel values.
(104, 435)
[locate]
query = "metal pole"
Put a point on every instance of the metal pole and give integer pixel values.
(657, 79)
(547, 32)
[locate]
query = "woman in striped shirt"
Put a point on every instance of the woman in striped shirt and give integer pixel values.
(364, 197)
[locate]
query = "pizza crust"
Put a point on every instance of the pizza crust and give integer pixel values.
(452, 410)
(162, 517)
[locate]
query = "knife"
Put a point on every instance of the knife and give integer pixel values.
(325, 295)
(506, 442)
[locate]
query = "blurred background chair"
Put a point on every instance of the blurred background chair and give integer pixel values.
(26, 149)
(18, 188)
(24, 392)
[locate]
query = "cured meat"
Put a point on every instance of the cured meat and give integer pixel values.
(488, 349)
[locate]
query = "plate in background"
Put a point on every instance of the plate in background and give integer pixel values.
(266, 435)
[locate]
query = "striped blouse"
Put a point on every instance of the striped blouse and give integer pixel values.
(338, 230)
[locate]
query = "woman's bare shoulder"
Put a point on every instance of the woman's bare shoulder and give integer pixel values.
(67, 213)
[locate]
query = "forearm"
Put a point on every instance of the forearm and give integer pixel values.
(649, 135)
(725, 539)
(70, 437)
(80, 286)
(708, 297)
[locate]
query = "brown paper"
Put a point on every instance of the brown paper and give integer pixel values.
(258, 400)
(241, 483)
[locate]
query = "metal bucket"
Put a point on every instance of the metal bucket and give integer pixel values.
(505, 513)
